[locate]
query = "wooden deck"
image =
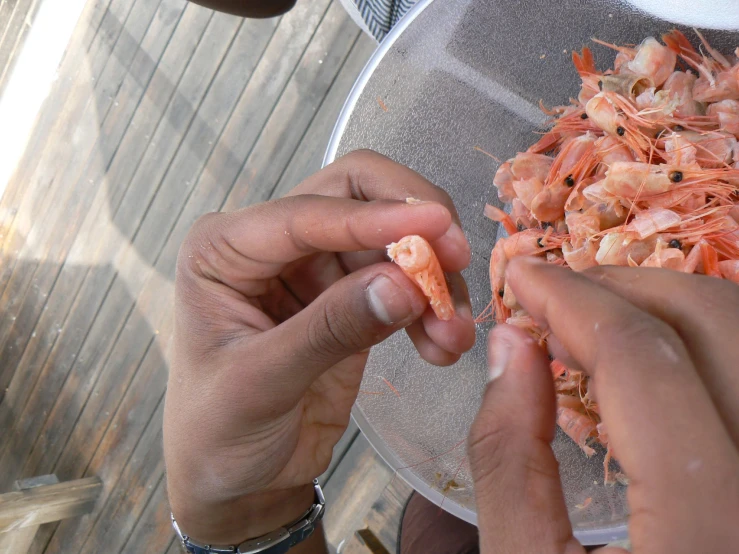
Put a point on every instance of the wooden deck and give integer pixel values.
(162, 111)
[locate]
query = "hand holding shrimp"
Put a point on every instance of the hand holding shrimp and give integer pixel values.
(277, 307)
(660, 349)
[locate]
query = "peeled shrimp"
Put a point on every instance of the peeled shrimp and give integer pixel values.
(418, 261)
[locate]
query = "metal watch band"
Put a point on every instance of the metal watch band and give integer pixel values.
(276, 542)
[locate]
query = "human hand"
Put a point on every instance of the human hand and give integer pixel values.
(661, 348)
(276, 308)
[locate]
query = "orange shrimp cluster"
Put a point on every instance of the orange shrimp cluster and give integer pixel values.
(641, 170)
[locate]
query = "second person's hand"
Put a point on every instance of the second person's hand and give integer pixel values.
(661, 349)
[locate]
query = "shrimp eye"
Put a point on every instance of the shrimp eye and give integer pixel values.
(551, 358)
(520, 228)
(583, 115)
(501, 293)
(674, 243)
(545, 225)
(678, 128)
(600, 84)
(676, 176)
(538, 241)
(620, 131)
(659, 134)
(569, 181)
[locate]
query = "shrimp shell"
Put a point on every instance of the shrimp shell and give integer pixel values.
(418, 261)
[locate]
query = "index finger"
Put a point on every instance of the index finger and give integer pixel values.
(255, 244)
(661, 421)
(367, 175)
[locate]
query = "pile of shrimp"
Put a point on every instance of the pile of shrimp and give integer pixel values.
(641, 170)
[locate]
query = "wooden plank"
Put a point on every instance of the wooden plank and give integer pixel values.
(98, 337)
(308, 156)
(132, 339)
(83, 437)
(93, 405)
(278, 65)
(296, 109)
(34, 207)
(127, 100)
(47, 503)
(20, 540)
(68, 284)
(352, 490)
(46, 227)
(108, 527)
(92, 134)
(140, 387)
(153, 530)
(384, 519)
(49, 115)
(17, 30)
(175, 547)
(340, 450)
(7, 10)
(89, 108)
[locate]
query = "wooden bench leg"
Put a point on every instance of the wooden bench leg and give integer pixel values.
(41, 500)
(20, 540)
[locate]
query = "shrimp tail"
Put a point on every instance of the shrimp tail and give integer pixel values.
(709, 257)
(546, 143)
(584, 63)
(679, 43)
(496, 214)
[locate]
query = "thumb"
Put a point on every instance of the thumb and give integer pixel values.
(355, 313)
(520, 504)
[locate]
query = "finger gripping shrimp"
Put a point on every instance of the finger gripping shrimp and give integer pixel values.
(640, 170)
(418, 261)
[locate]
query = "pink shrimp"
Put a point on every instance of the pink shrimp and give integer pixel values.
(652, 221)
(717, 80)
(641, 170)
(558, 368)
(653, 61)
(582, 258)
(503, 181)
(496, 214)
(575, 161)
(727, 113)
(665, 257)
(709, 257)
(679, 88)
(498, 264)
(418, 261)
(577, 426)
(730, 270)
(713, 148)
(632, 179)
(618, 248)
(585, 66)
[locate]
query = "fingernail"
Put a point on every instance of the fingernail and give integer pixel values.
(498, 354)
(456, 236)
(388, 302)
(463, 311)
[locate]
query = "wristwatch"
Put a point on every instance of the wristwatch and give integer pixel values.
(276, 542)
